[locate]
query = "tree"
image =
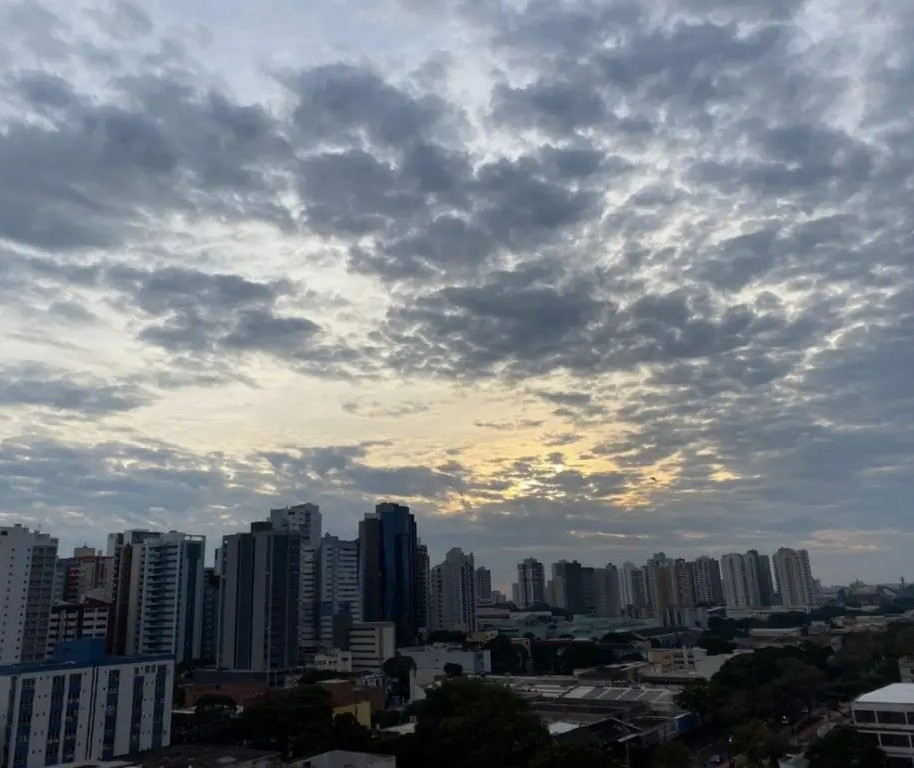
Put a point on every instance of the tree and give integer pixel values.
(348, 733)
(472, 723)
(573, 755)
(397, 669)
(671, 755)
(296, 722)
(696, 697)
(845, 748)
(759, 745)
(507, 658)
(453, 670)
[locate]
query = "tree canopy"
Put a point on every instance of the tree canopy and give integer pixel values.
(845, 748)
(471, 723)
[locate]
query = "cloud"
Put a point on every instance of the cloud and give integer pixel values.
(39, 386)
(681, 227)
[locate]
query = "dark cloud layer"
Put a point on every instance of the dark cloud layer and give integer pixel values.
(685, 224)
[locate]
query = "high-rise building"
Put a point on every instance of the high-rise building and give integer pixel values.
(83, 708)
(740, 581)
(304, 520)
(684, 576)
(210, 624)
(640, 601)
(78, 621)
(453, 593)
(795, 582)
(531, 583)
(121, 548)
(258, 599)
(88, 574)
(389, 570)
(423, 588)
(340, 588)
(499, 597)
(606, 584)
(568, 586)
(762, 564)
(483, 584)
(165, 596)
(589, 591)
(709, 589)
(626, 587)
(27, 565)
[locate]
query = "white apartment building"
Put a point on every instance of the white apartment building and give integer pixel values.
(887, 716)
(27, 567)
(794, 577)
(165, 603)
(740, 581)
(372, 643)
(70, 713)
(340, 587)
(452, 593)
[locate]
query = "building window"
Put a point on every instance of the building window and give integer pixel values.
(864, 716)
(895, 740)
(891, 718)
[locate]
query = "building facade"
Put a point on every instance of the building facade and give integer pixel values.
(79, 710)
(795, 582)
(452, 599)
(371, 643)
(76, 621)
(887, 717)
(531, 583)
(86, 575)
(740, 580)
(389, 570)
(27, 566)
(258, 600)
(121, 550)
(608, 601)
(483, 584)
(340, 588)
(304, 519)
(709, 589)
(165, 611)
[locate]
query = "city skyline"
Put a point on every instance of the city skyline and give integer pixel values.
(584, 280)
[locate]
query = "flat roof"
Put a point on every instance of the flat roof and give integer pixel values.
(896, 693)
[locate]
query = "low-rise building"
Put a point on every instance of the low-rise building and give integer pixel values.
(342, 759)
(371, 644)
(201, 756)
(332, 660)
(887, 716)
(83, 706)
(436, 657)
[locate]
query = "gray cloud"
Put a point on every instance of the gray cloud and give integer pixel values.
(693, 214)
(39, 386)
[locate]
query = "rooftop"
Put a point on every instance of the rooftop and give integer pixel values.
(198, 756)
(896, 693)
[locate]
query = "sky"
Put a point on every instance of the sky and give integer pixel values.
(582, 280)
